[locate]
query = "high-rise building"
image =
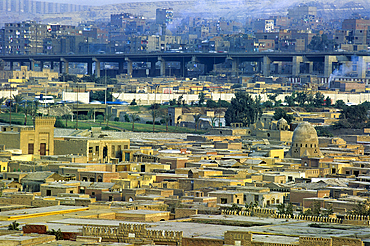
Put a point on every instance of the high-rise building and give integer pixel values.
(25, 37)
(38, 7)
(164, 16)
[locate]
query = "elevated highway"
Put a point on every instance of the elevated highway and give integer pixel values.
(303, 62)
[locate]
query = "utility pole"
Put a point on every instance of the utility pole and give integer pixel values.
(10, 104)
(78, 90)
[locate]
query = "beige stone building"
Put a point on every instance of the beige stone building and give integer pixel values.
(96, 150)
(38, 140)
(305, 142)
(25, 74)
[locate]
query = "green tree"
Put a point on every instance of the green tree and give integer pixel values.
(178, 120)
(57, 233)
(201, 98)
(154, 108)
(100, 96)
(59, 123)
(134, 117)
(14, 226)
(361, 208)
(290, 100)
(133, 102)
(211, 104)
(173, 102)
(69, 77)
(281, 113)
(126, 117)
(268, 104)
(327, 211)
(285, 209)
(243, 109)
(223, 103)
(340, 104)
(301, 98)
(249, 207)
(273, 98)
(197, 120)
(316, 208)
(165, 118)
(356, 115)
(235, 207)
(2, 100)
(328, 101)
(17, 100)
(319, 100)
(179, 100)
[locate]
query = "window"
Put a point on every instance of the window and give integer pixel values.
(113, 151)
(48, 192)
(96, 148)
(90, 150)
(31, 148)
(93, 193)
(71, 191)
(223, 200)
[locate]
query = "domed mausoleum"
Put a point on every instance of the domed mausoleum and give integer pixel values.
(305, 142)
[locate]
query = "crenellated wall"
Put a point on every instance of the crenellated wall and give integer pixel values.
(129, 232)
(266, 212)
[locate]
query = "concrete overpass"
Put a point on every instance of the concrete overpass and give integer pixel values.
(323, 63)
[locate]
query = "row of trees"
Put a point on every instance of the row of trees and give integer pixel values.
(201, 102)
(18, 105)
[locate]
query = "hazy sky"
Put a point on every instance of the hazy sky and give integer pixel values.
(97, 2)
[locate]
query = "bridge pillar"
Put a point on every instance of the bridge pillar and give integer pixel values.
(41, 66)
(362, 66)
(51, 65)
(152, 72)
(328, 65)
(97, 68)
(296, 70)
(235, 66)
(32, 65)
(129, 66)
(66, 66)
(89, 68)
(120, 67)
(182, 68)
(11, 66)
(163, 66)
(266, 66)
(279, 65)
(310, 67)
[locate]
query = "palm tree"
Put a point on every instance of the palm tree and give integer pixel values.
(17, 99)
(178, 120)
(33, 110)
(134, 117)
(197, 120)
(154, 107)
(2, 100)
(166, 119)
(13, 226)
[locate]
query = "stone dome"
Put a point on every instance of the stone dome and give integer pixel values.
(305, 133)
(282, 121)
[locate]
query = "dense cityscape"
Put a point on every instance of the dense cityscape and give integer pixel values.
(189, 123)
